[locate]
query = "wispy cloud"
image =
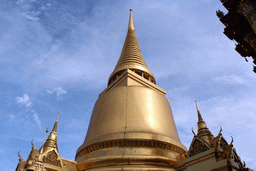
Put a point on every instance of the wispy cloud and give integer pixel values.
(25, 100)
(29, 10)
(49, 91)
(231, 79)
(46, 7)
(36, 119)
(59, 92)
(76, 124)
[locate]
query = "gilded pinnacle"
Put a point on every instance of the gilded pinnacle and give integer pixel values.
(56, 122)
(202, 130)
(200, 119)
(131, 57)
(51, 141)
(131, 25)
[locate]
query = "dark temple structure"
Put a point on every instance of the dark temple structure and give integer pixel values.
(240, 22)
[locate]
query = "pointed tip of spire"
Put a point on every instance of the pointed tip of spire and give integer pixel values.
(56, 122)
(198, 113)
(196, 106)
(202, 130)
(57, 117)
(32, 143)
(131, 25)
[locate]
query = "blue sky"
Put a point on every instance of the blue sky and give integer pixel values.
(56, 56)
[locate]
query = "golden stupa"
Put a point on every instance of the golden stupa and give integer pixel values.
(132, 125)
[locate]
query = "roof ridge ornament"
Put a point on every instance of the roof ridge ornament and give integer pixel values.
(19, 155)
(32, 143)
(193, 131)
(231, 143)
(220, 130)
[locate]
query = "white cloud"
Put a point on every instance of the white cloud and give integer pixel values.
(59, 91)
(48, 4)
(36, 119)
(46, 7)
(49, 91)
(25, 100)
(32, 18)
(33, 15)
(231, 79)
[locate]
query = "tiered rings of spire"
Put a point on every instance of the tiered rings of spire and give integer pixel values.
(131, 57)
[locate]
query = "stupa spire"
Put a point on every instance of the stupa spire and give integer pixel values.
(56, 122)
(131, 25)
(202, 130)
(131, 57)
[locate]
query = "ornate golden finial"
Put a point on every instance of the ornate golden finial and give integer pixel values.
(131, 25)
(202, 130)
(51, 141)
(46, 131)
(56, 122)
(198, 113)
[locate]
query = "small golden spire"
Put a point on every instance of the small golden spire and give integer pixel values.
(202, 130)
(200, 119)
(56, 122)
(51, 141)
(131, 25)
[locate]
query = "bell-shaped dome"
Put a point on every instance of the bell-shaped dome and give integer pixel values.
(132, 125)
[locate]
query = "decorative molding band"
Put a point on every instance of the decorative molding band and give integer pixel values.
(130, 143)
